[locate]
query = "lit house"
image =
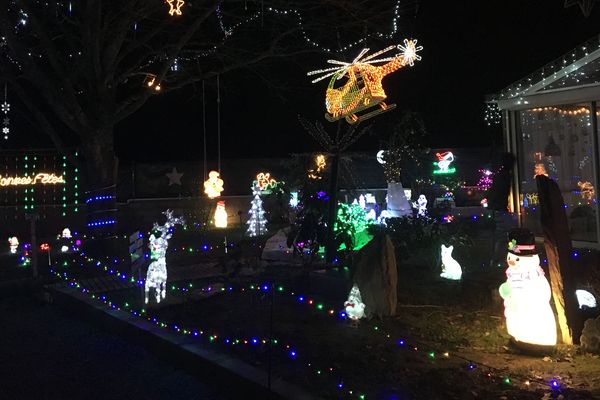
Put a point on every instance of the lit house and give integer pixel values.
(550, 122)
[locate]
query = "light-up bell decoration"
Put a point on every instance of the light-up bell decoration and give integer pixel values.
(363, 89)
(213, 186)
(66, 234)
(13, 244)
(526, 294)
(221, 215)
(450, 267)
(175, 7)
(355, 308)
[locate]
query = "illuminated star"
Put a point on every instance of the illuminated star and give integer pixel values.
(585, 5)
(175, 9)
(174, 177)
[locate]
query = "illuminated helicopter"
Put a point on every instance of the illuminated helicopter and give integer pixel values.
(363, 89)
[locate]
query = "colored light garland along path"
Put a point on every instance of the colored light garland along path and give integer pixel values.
(319, 306)
(290, 350)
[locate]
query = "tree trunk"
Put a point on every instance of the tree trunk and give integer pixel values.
(331, 211)
(101, 163)
(101, 166)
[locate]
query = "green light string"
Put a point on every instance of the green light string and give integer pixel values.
(26, 191)
(76, 186)
(64, 189)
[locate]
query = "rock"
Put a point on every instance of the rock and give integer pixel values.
(590, 336)
(377, 277)
(276, 248)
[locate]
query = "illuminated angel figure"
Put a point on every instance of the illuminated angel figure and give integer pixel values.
(175, 9)
(363, 89)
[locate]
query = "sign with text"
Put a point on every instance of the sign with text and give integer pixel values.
(41, 178)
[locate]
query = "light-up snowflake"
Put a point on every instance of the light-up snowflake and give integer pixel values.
(363, 89)
(5, 107)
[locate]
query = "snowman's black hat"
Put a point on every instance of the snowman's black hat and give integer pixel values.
(521, 242)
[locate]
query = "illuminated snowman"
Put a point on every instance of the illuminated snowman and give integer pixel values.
(221, 215)
(13, 244)
(526, 293)
(355, 308)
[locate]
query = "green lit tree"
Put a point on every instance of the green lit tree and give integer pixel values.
(351, 220)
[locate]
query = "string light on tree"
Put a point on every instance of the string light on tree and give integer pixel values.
(5, 108)
(151, 82)
(492, 116)
(363, 88)
(486, 180)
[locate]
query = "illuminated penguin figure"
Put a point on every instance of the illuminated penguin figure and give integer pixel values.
(421, 206)
(526, 293)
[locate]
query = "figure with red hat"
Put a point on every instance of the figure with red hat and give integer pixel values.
(526, 293)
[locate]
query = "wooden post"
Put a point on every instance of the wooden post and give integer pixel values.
(557, 242)
(34, 259)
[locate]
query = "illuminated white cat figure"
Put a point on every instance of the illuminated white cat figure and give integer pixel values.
(156, 277)
(526, 294)
(450, 267)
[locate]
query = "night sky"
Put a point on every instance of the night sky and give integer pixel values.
(471, 48)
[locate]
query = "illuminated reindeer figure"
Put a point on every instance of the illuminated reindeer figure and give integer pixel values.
(363, 89)
(156, 277)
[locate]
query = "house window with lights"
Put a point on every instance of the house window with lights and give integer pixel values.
(550, 123)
